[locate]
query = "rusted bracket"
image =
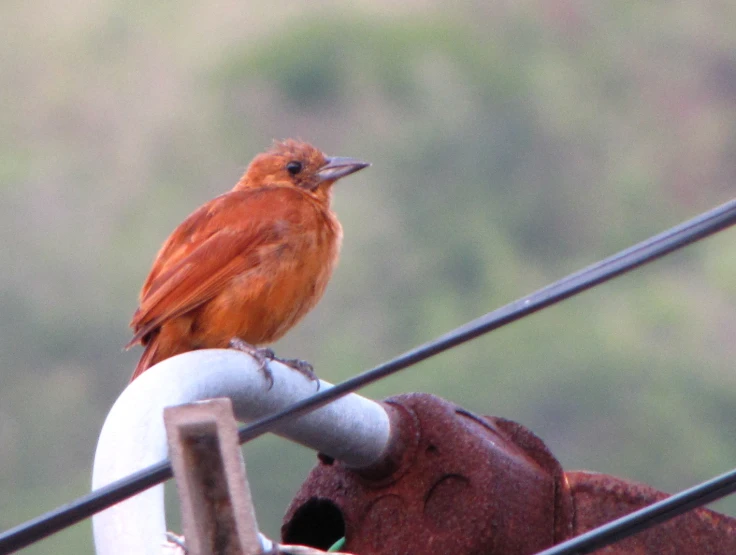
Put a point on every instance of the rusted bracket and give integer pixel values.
(465, 484)
(216, 508)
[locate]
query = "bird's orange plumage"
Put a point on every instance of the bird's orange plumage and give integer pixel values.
(248, 264)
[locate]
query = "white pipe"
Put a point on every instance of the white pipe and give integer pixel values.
(352, 429)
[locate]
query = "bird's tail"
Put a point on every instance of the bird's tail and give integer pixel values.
(148, 358)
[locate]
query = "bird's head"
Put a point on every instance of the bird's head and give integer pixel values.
(298, 164)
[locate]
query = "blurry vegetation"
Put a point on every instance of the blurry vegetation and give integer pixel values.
(512, 144)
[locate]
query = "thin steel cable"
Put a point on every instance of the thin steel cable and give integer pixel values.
(655, 247)
(647, 517)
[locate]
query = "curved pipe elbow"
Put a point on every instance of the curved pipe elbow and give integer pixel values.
(352, 429)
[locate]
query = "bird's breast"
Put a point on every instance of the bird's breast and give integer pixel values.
(288, 278)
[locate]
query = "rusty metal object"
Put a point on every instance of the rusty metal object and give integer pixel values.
(216, 508)
(600, 498)
(458, 483)
(448, 490)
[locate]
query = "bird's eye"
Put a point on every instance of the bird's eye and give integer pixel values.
(294, 167)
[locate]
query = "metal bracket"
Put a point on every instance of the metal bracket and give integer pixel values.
(216, 506)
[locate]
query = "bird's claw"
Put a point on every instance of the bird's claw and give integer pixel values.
(262, 357)
(301, 366)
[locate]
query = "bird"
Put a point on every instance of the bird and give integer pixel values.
(245, 267)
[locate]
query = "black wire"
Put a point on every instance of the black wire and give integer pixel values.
(677, 237)
(655, 247)
(84, 507)
(647, 517)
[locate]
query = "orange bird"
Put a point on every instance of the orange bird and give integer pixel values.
(248, 265)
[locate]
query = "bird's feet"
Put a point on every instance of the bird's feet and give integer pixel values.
(264, 355)
(301, 366)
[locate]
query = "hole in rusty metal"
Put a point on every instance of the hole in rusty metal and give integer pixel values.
(317, 523)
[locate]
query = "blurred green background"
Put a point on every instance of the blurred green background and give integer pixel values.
(512, 143)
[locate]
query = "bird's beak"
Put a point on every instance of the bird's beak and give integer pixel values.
(339, 166)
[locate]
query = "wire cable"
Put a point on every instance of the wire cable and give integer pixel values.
(655, 247)
(647, 517)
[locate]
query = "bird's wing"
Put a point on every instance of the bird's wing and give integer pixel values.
(188, 236)
(229, 243)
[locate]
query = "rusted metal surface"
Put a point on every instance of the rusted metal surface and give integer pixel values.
(462, 484)
(216, 508)
(600, 498)
(456, 483)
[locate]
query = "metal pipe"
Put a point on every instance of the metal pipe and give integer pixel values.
(352, 429)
